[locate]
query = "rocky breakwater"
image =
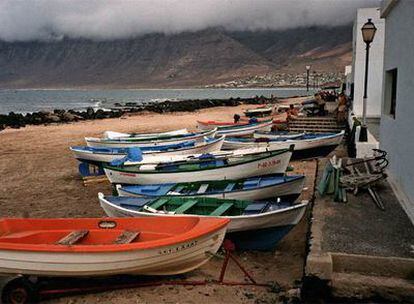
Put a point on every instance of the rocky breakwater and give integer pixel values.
(18, 120)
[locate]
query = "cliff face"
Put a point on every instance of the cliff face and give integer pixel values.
(158, 60)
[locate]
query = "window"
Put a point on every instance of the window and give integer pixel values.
(390, 92)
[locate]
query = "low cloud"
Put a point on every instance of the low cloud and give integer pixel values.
(22, 20)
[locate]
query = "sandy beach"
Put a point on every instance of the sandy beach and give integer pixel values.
(39, 178)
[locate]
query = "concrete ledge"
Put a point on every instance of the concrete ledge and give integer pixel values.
(373, 265)
(319, 265)
(364, 149)
(355, 286)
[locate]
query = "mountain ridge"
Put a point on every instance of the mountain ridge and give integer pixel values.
(182, 60)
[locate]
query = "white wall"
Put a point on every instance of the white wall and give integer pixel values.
(376, 62)
(397, 134)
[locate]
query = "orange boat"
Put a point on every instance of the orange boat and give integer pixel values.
(96, 246)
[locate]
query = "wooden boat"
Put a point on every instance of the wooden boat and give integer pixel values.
(253, 225)
(96, 155)
(308, 145)
(113, 134)
(244, 130)
(204, 168)
(107, 246)
(254, 188)
(278, 135)
(260, 111)
(211, 124)
(145, 142)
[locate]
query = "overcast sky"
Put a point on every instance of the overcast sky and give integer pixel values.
(100, 19)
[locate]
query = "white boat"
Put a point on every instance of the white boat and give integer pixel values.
(278, 135)
(306, 145)
(211, 168)
(261, 111)
(150, 154)
(253, 225)
(243, 130)
(107, 246)
(286, 187)
(113, 134)
(145, 142)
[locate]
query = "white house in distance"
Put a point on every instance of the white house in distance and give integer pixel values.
(376, 58)
(397, 119)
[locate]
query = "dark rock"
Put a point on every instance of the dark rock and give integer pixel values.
(90, 113)
(59, 112)
(68, 117)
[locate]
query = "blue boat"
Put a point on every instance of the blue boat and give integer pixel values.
(100, 155)
(254, 188)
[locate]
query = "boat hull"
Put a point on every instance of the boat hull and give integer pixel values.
(245, 130)
(272, 165)
(125, 143)
(272, 221)
(303, 148)
(114, 135)
(156, 258)
(287, 191)
(98, 158)
(261, 239)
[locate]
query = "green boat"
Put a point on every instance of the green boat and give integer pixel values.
(257, 225)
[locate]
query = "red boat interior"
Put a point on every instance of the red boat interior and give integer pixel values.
(107, 233)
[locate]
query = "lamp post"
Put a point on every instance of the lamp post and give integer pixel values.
(307, 77)
(368, 33)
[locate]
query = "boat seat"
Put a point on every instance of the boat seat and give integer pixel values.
(202, 189)
(178, 189)
(127, 237)
(147, 167)
(251, 183)
(159, 203)
(186, 206)
(229, 187)
(221, 209)
(255, 208)
(73, 237)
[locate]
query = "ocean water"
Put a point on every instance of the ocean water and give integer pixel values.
(24, 101)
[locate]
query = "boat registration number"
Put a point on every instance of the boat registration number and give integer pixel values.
(178, 248)
(268, 163)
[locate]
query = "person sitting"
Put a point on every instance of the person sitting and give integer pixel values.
(321, 104)
(342, 107)
(236, 118)
(292, 113)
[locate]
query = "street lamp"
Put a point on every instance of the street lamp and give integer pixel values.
(307, 77)
(368, 33)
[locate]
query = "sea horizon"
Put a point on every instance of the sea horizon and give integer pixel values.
(28, 100)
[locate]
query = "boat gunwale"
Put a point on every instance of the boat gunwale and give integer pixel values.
(273, 153)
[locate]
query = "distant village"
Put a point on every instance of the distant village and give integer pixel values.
(316, 80)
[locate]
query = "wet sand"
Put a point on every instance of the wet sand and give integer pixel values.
(39, 178)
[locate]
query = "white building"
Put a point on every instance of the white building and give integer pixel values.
(376, 62)
(397, 122)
